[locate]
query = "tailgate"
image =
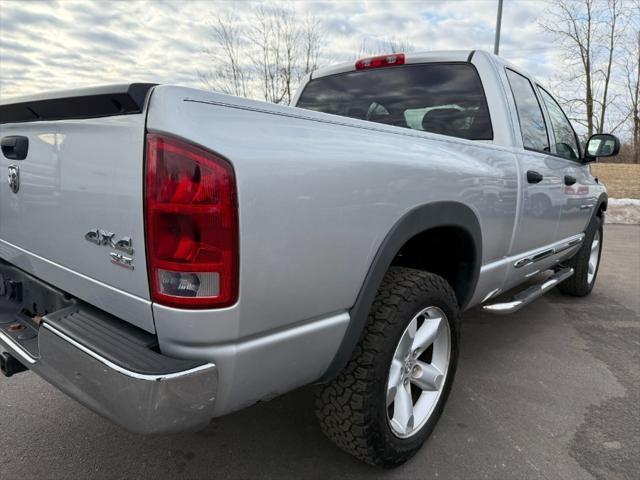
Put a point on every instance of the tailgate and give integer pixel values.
(71, 213)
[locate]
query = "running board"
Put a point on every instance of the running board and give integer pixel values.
(530, 294)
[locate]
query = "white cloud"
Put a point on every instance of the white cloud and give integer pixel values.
(68, 44)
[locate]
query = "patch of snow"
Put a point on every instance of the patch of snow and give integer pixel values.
(625, 201)
(623, 210)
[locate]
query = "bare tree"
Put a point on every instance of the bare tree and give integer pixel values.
(632, 68)
(632, 79)
(614, 12)
(587, 31)
(228, 74)
(381, 46)
(311, 39)
(267, 53)
(265, 57)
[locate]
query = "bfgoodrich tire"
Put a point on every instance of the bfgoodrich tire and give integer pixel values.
(387, 400)
(586, 262)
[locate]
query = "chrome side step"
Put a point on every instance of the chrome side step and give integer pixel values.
(530, 294)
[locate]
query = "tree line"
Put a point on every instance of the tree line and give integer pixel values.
(267, 54)
(600, 49)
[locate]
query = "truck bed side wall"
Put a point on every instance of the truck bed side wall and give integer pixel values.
(317, 196)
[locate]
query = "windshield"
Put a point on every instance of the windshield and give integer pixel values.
(441, 98)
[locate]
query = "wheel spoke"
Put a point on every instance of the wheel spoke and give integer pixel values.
(592, 266)
(595, 245)
(403, 409)
(404, 348)
(427, 377)
(395, 377)
(427, 333)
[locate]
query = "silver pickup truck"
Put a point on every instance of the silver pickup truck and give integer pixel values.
(170, 255)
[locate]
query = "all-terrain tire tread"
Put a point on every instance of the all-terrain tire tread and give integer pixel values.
(576, 285)
(341, 405)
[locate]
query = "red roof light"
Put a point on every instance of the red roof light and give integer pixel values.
(380, 61)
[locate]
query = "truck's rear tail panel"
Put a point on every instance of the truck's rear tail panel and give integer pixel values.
(72, 211)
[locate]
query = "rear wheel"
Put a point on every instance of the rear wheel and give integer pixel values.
(586, 262)
(386, 401)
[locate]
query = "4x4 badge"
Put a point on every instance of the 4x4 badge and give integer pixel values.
(14, 178)
(102, 237)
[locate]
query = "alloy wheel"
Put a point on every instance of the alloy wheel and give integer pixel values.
(418, 372)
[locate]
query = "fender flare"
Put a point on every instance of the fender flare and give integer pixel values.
(602, 199)
(414, 222)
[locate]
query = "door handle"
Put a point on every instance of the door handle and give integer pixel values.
(569, 180)
(15, 147)
(534, 177)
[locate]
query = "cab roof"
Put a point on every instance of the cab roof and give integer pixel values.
(409, 58)
(423, 57)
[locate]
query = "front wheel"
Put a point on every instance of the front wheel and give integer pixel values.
(386, 401)
(586, 262)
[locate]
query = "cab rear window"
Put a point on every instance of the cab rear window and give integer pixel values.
(441, 98)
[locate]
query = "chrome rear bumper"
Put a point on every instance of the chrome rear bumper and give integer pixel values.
(141, 403)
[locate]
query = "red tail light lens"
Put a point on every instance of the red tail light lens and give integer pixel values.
(191, 225)
(380, 61)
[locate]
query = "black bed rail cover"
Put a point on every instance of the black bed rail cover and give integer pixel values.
(103, 101)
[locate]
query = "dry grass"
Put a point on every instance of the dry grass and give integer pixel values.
(622, 180)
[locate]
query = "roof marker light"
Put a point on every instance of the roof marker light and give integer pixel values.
(380, 61)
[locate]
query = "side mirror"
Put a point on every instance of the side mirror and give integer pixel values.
(601, 145)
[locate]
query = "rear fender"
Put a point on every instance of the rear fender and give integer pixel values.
(416, 221)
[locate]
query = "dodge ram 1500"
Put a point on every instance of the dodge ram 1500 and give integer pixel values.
(169, 255)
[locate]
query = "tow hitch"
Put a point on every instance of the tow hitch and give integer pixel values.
(24, 301)
(10, 365)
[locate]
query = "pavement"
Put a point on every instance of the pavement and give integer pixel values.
(551, 392)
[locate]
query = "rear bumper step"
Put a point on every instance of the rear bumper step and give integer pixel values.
(529, 295)
(104, 363)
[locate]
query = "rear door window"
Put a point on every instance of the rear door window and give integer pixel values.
(566, 141)
(436, 97)
(532, 126)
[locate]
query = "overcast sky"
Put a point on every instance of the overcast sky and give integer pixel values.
(66, 44)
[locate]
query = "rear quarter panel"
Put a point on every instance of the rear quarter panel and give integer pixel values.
(317, 195)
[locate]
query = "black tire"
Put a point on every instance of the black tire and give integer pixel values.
(352, 408)
(578, 285)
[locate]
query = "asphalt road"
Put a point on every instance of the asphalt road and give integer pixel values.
(552, 392)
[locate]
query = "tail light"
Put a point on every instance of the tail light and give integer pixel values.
(191, 225)
(381, 61)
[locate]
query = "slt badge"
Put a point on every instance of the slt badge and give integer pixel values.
(14, 178)
(124, 244)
